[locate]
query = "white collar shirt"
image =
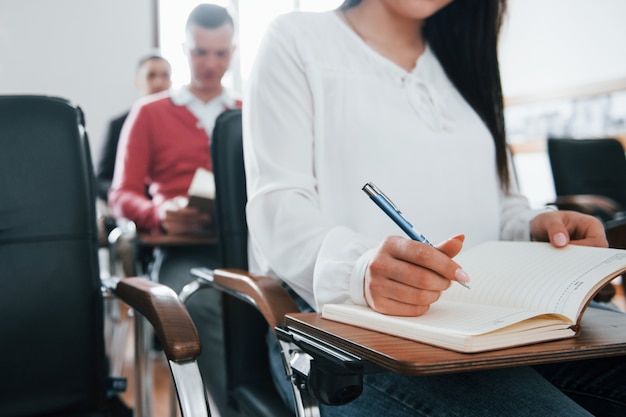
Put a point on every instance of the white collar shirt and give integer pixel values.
(206, 113)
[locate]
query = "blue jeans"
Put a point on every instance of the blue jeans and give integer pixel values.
(579, 388)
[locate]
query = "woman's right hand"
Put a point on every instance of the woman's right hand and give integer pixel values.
(405, 276)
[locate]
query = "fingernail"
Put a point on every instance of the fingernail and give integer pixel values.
(460, 237)
(461, 275)
(560, 239)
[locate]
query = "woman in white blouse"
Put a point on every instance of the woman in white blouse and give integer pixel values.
(404, 93)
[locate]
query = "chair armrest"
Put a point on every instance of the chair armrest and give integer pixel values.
(105, 225)
(616, 233)
(317, 370)
(160, 305)
(596, 205)
(122, 242)
(270, 298)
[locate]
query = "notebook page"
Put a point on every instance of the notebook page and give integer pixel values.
(452, 324)
(534, 275)
(202, 184)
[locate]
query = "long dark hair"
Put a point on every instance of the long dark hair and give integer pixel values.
(464, 37)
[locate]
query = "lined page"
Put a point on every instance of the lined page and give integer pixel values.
(456, 326)
(534, 275)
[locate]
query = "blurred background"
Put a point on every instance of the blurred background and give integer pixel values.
(562, 61)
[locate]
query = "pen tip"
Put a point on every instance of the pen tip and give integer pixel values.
(464, 284)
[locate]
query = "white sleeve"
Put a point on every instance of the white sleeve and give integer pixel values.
(289, 232)
(515, 212)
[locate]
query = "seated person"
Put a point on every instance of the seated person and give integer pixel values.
(152, 76)
(164, 140)
(405, 94)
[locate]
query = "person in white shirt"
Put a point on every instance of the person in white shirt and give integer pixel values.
(405, 94)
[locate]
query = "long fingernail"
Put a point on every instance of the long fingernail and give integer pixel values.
(460, 237)
(461, 275)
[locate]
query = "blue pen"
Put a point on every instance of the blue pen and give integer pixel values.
(395, 214)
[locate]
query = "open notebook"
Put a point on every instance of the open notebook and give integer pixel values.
(521, 293)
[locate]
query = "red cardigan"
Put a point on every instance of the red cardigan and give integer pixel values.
(162, 145)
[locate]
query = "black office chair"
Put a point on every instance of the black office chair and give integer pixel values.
(51, 294)
(252, 305)
(590, 176)
(247, 383)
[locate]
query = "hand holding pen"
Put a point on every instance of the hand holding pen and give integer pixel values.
(404, 279)
(394, 213)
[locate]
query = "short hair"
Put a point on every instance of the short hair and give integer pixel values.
(209, 16)
(150, 57)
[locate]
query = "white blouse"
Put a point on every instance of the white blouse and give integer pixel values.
(324, 114)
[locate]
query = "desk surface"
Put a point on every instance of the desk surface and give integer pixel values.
(603, 334)
(151, 239)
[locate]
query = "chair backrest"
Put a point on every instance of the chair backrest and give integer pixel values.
(589, 166)
(249, 381)
(52, 357)
(230, 189)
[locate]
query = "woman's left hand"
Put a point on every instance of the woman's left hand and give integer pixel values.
(564, 227)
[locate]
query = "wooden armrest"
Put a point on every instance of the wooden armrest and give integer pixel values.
(272, 300)
(605, 208)
(616, 233)
(167, 315)
(595, 205)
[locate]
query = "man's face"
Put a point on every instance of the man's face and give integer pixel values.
(209, 52)
(154, 76)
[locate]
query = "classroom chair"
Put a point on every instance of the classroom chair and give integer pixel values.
(252, 305)
(590, 176)
(247, 382)
(51, 294)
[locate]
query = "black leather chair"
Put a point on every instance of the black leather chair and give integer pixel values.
(254, 305)
(51, 295)
(590, 176)
(247, 382)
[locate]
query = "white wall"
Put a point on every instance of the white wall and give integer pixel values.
(86, 50)
(82, 50)
(555, 44)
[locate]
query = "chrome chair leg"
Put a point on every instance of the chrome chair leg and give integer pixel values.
(118, 338)
(187, 376)
(294, 358)
(143, 368)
